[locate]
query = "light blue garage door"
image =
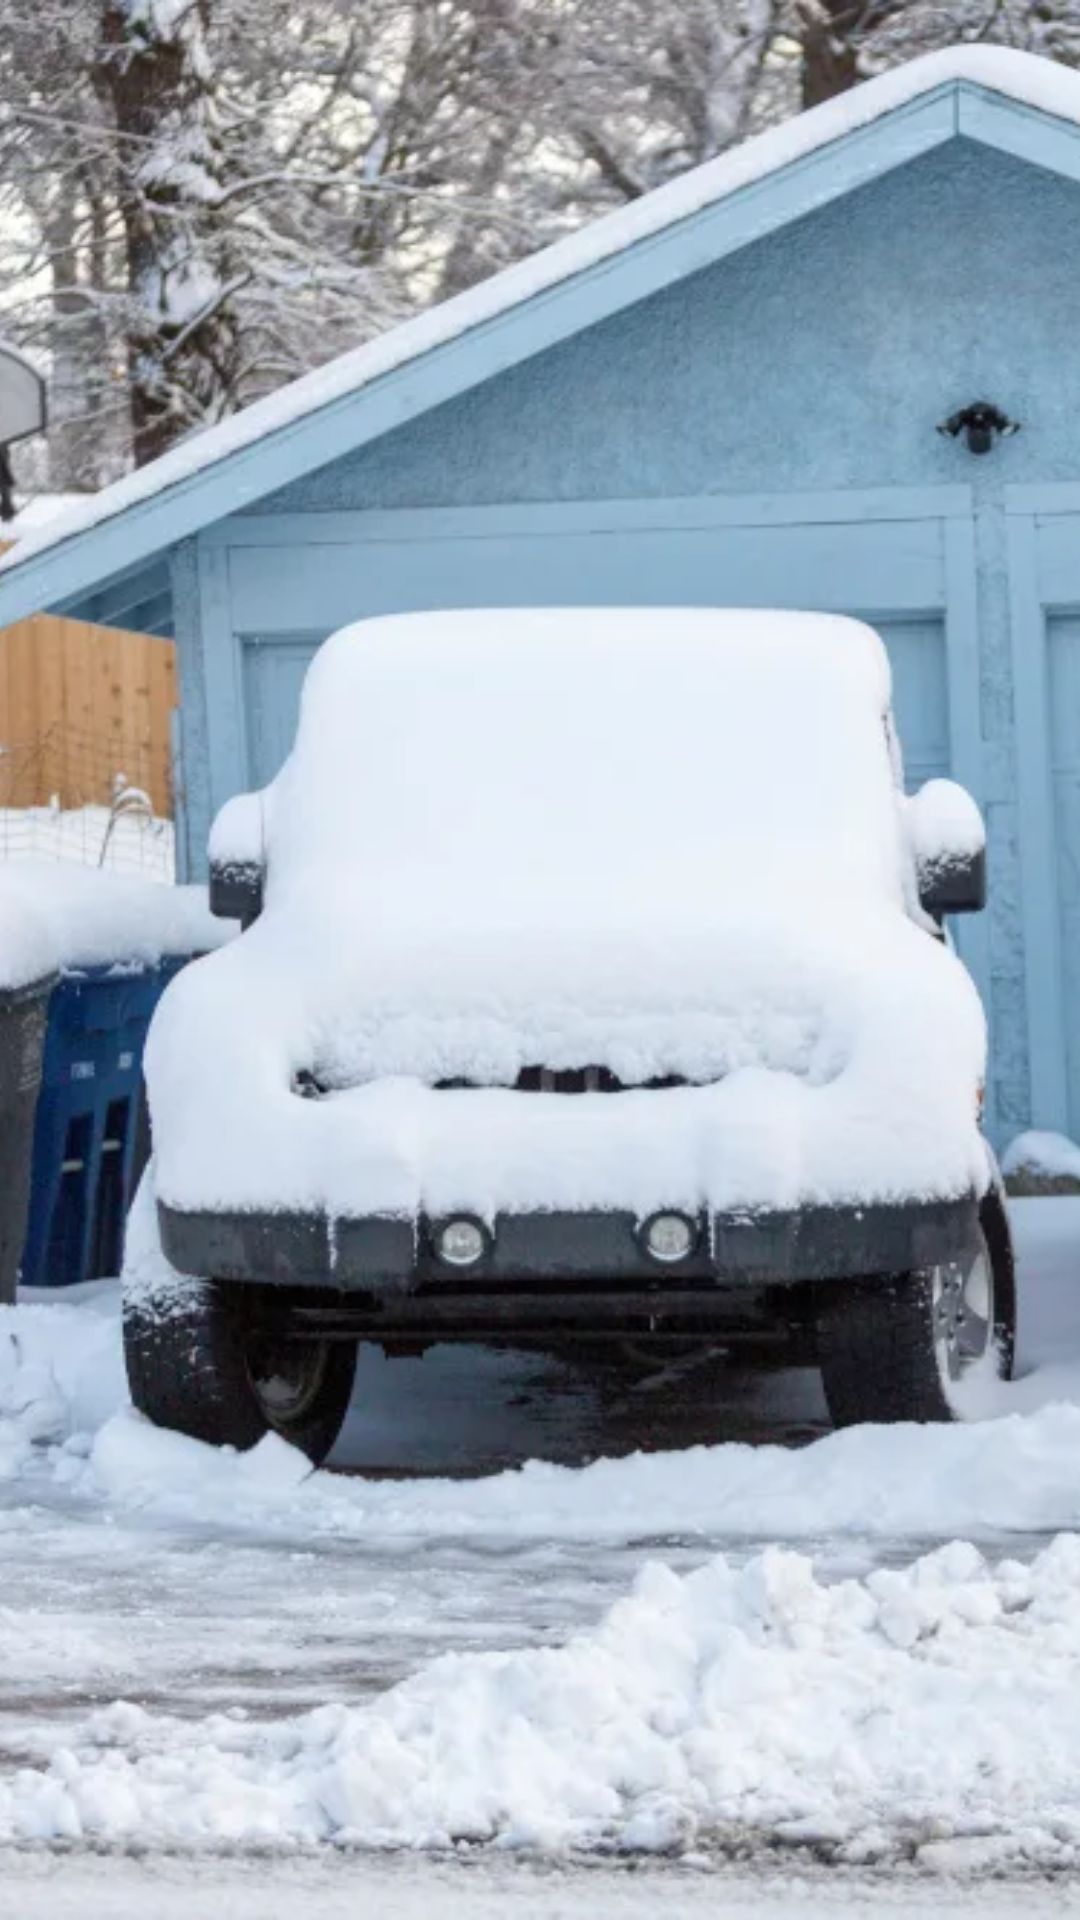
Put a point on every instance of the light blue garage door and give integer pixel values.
(890, 573)
(1044, 550)
(274, 669)
(1063, 637)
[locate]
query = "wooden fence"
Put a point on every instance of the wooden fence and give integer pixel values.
(80, 706)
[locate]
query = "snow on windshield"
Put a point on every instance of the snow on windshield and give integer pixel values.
(643, 752)
(667, 842)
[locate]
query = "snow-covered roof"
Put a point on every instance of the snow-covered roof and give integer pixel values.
(1020, 78)
(37, 512)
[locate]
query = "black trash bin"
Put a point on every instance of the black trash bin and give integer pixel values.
(23, 1018)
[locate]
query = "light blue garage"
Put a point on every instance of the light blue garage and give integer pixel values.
(728, 393)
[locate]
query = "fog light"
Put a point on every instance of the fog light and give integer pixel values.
(669, 1237)
(461, 1243)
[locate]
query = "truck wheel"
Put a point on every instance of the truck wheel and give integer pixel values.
(203, 1367)
(920, 1346)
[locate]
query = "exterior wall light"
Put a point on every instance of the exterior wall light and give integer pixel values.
(979, 423)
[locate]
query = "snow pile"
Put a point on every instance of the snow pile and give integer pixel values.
(944, 825)
(1016, 1473)
(37, 510)
(627, 848)
(1037, 1162)
(927, 1712)
(238, 835)
(58, 916)
(61, 1371)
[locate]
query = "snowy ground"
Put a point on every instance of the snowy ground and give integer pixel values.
(410, 1889)
(634, 1664)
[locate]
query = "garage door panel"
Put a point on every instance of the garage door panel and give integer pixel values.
(810, 567)
(1044, 557)
(828, 566)
(920, 693)
(1056, 546)
(273, 676)
(1063, 653)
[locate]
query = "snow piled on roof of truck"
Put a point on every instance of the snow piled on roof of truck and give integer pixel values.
(667, 842)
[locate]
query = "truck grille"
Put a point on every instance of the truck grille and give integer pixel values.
(572, 1080)
(529, 1080)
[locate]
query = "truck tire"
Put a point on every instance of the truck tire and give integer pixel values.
(920, 1346)
(203, 1367)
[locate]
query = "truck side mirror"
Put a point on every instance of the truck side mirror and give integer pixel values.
(237, 860)
(948, 840)
(236, 890)
(954, 886)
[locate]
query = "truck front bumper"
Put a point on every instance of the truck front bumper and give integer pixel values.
(585, 1268)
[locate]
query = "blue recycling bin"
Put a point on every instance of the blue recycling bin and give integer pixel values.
(90, 1131)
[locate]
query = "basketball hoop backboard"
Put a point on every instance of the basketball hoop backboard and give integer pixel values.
(22, 396)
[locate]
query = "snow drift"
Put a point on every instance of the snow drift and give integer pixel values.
(927, 1712)
(1016, 1473)
(61, 1371)
(670, 842)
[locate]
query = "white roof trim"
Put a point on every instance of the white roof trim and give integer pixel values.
(1023, 78)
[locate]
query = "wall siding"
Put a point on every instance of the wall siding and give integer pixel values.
(191, 760)
(821, 356)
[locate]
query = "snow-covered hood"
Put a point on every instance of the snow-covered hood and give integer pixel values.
(696, 995)
(844, 1069)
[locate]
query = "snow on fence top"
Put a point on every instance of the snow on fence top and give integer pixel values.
(54, 916)
(1023, 77)
(665, 841)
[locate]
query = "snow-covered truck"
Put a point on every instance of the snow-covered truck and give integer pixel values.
(594, 988)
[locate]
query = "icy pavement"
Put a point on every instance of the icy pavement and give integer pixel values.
(277, 1636)
(40, 1887)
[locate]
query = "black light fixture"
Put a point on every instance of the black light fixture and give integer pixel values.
(979, 422)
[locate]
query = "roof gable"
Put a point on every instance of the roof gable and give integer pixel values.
(1017, 103)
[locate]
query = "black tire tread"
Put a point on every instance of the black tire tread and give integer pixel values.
(186, 1370)
(877, 1356)
(875, 1344)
